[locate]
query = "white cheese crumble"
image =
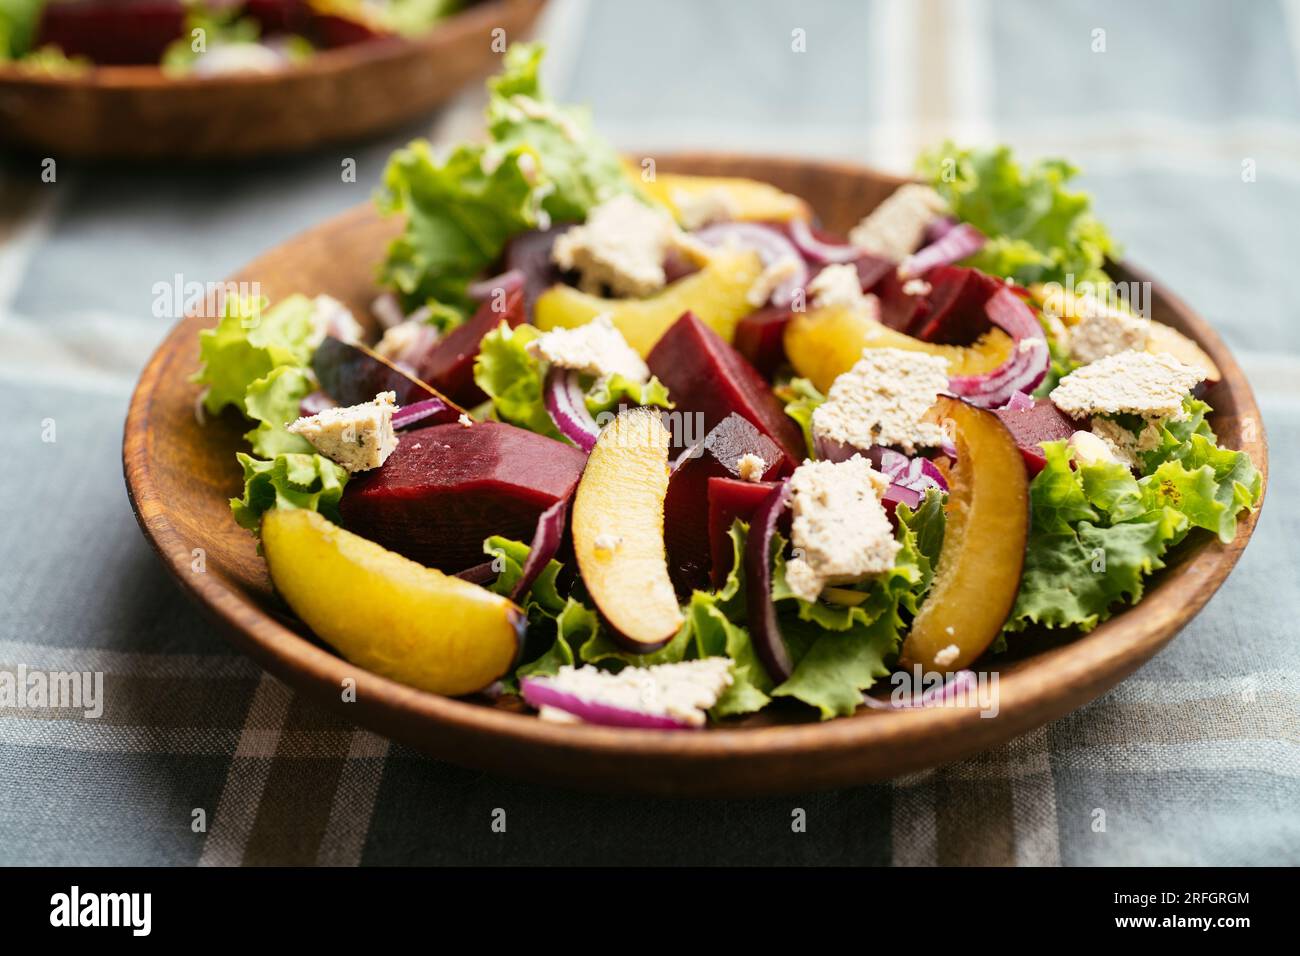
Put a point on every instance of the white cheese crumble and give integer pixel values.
(358, 437)
(1091, 449)
(1103, 330)
(621, 246)
(917, 287)
(329, 316)
(769, 279)
(696, 208)
(596, 348)
(1122, 444)
(465, 420)
(947, 655)
(840, 285)
(750, 467)
(404, 338)
(882, 399)
(1137, 383)
(608, 542)
(840, 531)
(896, 227)
(681, 691)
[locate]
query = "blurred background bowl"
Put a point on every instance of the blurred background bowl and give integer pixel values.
(142, 112)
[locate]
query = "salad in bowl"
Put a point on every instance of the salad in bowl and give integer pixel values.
(654, 450)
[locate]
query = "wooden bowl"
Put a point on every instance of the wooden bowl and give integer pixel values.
(180, 475)
(141, 112)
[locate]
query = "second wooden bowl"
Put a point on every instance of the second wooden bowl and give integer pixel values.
(141, 112)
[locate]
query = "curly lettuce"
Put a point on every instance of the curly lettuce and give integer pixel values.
(514, 381)
(1097, 531)
(801, 398)
(1037, 229)
(542, 163)
(257, 359)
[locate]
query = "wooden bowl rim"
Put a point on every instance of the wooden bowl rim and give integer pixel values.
(1080, 669)
(324, 63)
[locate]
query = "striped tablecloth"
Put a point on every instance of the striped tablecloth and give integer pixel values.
(199, 757)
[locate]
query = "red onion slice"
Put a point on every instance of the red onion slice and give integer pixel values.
(956, 244)
(387, 310)
(772, 247)
(1019, 402)
(508, 281)
(545, 545)
(938, 228)
(539, 693)
(1027, 364)
(567, 404)
(815, 250)
(484, 573)
(408, 415)
(760, 610)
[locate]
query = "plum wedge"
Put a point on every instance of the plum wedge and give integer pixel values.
(388, 614)
(447, 487)
(618, 531)
(706, 376)
(983, 553)
(352, 374)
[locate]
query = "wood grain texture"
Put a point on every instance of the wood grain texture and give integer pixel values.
(142, 113)
(179, 475)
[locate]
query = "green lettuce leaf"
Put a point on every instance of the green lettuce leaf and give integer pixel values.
(249, 342)
(1097, 531)
(460, 210)
(18, 20)
(272, 401)
(542, 163)
(582, 168)
(801, 399)
(288, 481)
(1038, 230)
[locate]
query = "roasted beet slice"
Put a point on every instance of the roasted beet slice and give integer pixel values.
(352, 374)
(686, 506)
(901, 311)
(279, 16)
(955, 313)
(449, 365)
(448, 487)
(708, 377)
(759, 337)
(123, 32)
(729, 499)
(1043, 422)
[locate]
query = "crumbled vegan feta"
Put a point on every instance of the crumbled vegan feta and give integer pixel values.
(839, 285)
(465, 421)
(700, 207)
(1091, 449)
(896, 227)
(1103, 330)
(917, 287)
(596, 348)
(329, 316)
(622, 245)
(358, 437)
(1137, 383)
(405, 338)
(769, 279)
(947, 655)
(608, 542)
(750, 467)
(840, 532)
(681, 691)
(881, 401)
